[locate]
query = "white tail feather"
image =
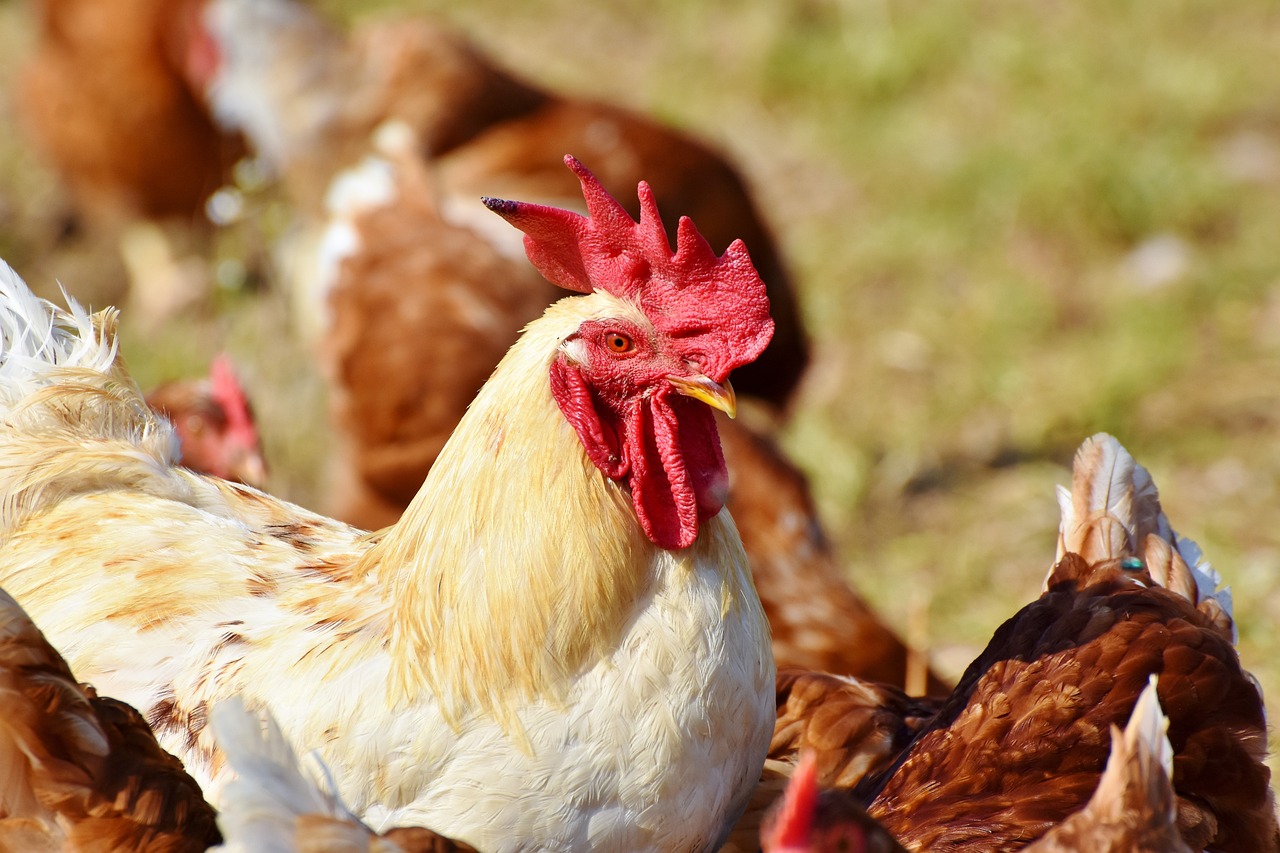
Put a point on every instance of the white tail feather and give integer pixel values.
(260, 809)
(1112, 511)
(37, 336)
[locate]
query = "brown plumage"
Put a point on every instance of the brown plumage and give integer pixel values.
(839, 730)
(83, 772)
(105, 100)
(1022, 741)
(1134, 808)
(850, 727)
(309, 97)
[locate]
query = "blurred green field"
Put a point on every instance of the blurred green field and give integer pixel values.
(1014, 225)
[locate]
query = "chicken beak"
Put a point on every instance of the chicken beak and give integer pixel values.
(707, 390)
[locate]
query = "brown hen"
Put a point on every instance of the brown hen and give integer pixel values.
(1021, 743)
(106, 101)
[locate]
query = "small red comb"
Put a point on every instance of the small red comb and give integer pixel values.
(227, 391)
(716, 306)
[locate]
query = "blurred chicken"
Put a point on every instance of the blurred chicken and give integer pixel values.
(82, 772)
(272, 807)
(106, 100)
(1021, 743)
(215, 424)
(558, 645)
(391, 418)
(309, 97)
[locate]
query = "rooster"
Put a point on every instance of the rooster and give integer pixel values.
(390, 418)
(1021, 742)
(557, 647)
(83, 772)
(214, 423)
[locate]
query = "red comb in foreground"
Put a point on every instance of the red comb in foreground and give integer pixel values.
(716, 305)
(791, 824)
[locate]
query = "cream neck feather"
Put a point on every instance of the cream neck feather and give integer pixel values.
(519, 562)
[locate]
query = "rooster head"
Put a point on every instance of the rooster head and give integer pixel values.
(639, 386)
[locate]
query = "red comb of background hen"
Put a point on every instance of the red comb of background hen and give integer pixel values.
(715, 306)
(229, 394)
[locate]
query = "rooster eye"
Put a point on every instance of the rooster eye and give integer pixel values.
(618, 342)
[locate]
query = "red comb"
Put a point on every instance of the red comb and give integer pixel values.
(229, 394)
(715, 306)
(792, 823)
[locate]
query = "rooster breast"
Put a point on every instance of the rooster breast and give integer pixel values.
(672, 700)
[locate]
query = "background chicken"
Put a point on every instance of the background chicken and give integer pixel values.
(564, 605)
(1021, 743)
(105, 99)
(309, 98)
(215, 424)
(83, 772)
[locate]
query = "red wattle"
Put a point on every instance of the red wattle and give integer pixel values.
(665, 447)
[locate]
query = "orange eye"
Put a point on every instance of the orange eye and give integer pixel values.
(618, 342)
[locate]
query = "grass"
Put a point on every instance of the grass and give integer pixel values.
(1014, 225)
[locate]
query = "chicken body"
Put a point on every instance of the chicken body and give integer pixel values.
(518, 628)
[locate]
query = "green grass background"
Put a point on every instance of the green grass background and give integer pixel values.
(1014, 224)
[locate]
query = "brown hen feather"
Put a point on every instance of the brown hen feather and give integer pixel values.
(1133, 809)
(83, 772)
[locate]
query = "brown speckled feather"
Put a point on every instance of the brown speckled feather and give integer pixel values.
(83, 772)
(1133, 809)
(1022, 741)
(851, 727)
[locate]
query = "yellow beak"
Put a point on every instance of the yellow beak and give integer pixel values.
(712, 393)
